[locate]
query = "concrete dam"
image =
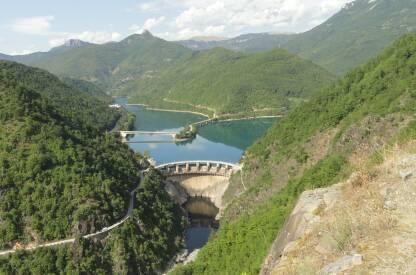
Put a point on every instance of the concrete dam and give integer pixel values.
(208, 179)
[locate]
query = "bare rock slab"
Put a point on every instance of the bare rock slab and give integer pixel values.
(342, 264)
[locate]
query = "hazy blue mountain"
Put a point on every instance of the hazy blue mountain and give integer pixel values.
(254, 42)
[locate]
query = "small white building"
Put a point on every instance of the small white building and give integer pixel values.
(115, 106)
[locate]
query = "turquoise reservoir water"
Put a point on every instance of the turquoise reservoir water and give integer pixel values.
(222, 141)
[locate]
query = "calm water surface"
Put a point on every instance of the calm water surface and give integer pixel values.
(202, 214)
(222, 141)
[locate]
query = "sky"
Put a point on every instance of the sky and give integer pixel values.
(27, 26)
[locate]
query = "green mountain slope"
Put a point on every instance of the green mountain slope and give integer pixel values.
(232, 82)
(320, 142)
(113, 64)
(88, 88)
(151, 69)
(61, 176)
(82, 108)
(360, 31)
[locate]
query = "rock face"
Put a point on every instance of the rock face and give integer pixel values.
(407, 167)
(75, 43)
(300, 222)
(370, 229)
(342, 264)
(176, 192)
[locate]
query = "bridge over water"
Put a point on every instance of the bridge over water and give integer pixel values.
(124, 134)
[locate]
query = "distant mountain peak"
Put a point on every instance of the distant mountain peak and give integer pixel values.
(136, 37)
(146, 33)
(75, 43)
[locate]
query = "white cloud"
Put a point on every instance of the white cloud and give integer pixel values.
(181, 19)
(149, 24)
(41, 25)
(230, 17)
(88, 36)
(214, 29)
(32, 25)
(147, 7)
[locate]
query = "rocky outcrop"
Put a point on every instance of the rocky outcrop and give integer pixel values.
(75, 43)
(343, 264)
(176, 192)
(366, 225)
(301, 221)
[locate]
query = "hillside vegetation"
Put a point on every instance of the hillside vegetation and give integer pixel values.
(81, 108)
(142, 245)
(109, 66)
(316, 145)
(232, 82)
(357, 33)
(112, 65)
(59, 173)
(88, 88)
(61, 176)
(370, 215)
(167, 75)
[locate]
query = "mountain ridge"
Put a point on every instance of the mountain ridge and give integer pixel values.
(358, 32)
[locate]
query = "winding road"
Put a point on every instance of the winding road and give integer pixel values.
(92, 235)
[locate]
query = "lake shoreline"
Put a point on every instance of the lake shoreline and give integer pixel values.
(168, 110)
(215, 119)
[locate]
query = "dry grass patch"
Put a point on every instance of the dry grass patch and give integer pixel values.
(356, 223)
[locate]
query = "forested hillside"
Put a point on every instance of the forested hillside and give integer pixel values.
(112, 65)
(166, 74)
(88, 88)
(318, 144)
(360, 31)
(232, 82)
(61, 176)
(80, 108)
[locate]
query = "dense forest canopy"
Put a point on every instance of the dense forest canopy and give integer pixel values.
(142, 245)
(63, 176)
(59, 173)
(88, 88)
(81, 108)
